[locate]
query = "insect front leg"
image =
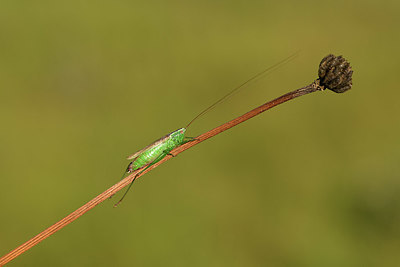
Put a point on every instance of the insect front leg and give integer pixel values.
(169, 153)
(184, 142)
(190, 139)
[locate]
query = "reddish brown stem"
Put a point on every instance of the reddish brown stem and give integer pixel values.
(115, 188)
(296, 93)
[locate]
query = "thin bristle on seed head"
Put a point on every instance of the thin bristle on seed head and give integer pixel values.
(335, 73)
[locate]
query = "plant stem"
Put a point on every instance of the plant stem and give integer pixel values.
(115, 188)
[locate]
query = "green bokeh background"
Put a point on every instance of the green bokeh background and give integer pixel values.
(314, 182)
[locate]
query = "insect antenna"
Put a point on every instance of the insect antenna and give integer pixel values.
(255, 77)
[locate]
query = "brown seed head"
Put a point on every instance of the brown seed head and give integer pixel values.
(335, 73)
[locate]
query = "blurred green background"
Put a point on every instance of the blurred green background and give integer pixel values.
(313, 182)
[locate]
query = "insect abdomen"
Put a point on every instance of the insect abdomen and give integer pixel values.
(152, 153)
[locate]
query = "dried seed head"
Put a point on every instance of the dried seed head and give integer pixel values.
(335, 73)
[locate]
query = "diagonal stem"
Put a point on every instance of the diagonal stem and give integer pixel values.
(296, 93)
(115, 188)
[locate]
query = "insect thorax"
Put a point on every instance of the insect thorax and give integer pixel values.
(178, 135)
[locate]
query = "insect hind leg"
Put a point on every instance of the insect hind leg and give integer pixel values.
(160, 157)
(128, 170)
(126, 192)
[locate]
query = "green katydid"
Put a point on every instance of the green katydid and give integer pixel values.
(157, 150)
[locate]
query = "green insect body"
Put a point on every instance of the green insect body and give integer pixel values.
(156, 151)
(153, 153)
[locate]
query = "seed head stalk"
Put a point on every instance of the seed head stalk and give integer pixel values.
(334, 74)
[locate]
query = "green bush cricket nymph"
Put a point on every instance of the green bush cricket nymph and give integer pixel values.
(157, 150)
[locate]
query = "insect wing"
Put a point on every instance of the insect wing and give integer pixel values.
(155, 143)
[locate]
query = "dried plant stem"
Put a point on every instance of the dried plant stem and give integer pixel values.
(115, 188)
